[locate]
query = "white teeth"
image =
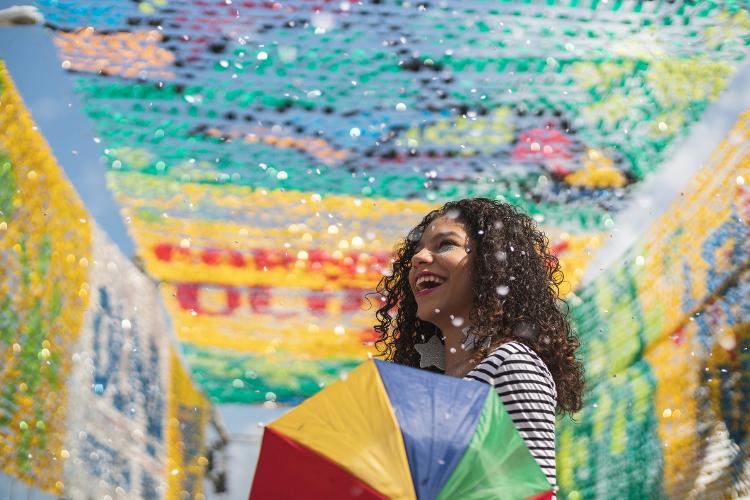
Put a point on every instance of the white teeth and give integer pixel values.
(422, 281)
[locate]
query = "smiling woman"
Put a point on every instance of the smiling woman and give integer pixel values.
(475, 293)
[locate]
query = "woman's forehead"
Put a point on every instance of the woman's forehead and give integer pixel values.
(444, 225)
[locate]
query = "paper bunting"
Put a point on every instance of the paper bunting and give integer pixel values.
(664, 335)
(272, 152)
(268, 165)
(94, 401)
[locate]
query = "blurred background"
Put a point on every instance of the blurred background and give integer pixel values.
(195, 197)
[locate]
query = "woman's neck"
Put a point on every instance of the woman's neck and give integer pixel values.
(457, 354)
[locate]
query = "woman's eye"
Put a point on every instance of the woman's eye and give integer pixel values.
(446, 245)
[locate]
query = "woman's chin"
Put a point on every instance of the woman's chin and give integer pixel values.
(427, 313)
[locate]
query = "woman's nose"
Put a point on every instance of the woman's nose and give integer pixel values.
(421, 257)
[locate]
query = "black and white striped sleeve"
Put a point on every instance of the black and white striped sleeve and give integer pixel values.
(528, 392)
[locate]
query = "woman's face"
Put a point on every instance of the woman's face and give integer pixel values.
(440, 275)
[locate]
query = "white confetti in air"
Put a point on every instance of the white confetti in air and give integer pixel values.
(20, 15)
(287, 54)
(323, 21)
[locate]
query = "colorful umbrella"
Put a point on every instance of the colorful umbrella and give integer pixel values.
(390, 431)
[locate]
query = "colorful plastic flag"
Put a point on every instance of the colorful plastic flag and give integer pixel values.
(390, 431)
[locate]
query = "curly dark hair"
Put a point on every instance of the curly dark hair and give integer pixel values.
(510, 250)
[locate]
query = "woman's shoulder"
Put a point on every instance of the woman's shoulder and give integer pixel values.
(515, 351)
(513, 358)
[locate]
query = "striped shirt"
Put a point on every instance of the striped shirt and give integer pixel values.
(528, 392)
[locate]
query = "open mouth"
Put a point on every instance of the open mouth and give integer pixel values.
(427, 284)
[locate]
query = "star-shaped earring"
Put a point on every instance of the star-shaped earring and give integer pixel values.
(431, 353)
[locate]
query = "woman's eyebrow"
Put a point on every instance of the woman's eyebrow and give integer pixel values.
(446, 233)
(436, 236)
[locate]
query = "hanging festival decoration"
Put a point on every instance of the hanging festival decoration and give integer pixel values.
(45, 243)
(268, 155)
(94, 401)
(119, 386)
(664, 335)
